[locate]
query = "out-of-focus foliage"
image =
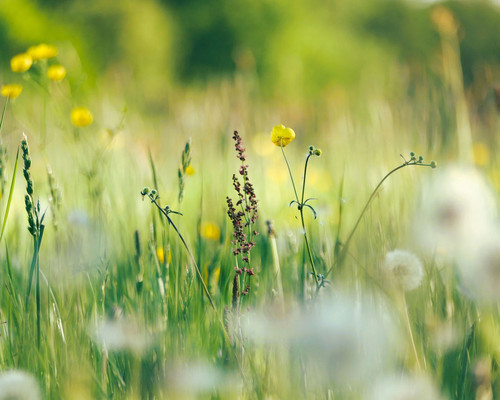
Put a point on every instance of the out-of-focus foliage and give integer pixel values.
(301, 48)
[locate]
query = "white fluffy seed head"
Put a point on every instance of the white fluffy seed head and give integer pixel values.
(404, 388)
(403, 269)
(18, 385)
(479, 270)
(456, 212)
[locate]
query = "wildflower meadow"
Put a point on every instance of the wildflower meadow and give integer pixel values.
(286, 202)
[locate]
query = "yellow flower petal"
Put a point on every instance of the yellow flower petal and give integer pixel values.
(56, 73)
(282, 136)
(210, 230)
(21, 62)
(189, 170)
(81, 117)
(42, 51)
(11, 91)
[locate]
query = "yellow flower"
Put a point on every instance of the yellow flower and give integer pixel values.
(281, 135)
(56, 73)
(189, 170)
(210, 230)
(11, 91)
(481, 154)
(160, 253)
(81, 117)
(42, 51)
(21, 62)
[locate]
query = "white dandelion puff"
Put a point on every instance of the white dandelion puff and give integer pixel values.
(404, 388)
(121, 335)
(479, 270)
(18, 385)
(347, 340)
(457, 210)
(403, 269)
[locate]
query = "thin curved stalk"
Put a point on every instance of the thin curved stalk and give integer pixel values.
(345, 247)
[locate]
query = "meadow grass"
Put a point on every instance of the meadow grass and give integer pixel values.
(140, 300)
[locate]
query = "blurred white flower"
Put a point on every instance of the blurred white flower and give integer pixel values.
(404, 388)
(403, 269)
(199, 378)
(121, 334)
(479, 270)
(457, 211)
(346, 340)
(18, 385)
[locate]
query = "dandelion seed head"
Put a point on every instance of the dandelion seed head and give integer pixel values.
(18, 385)
(348, 340)
(404, 388)
(119, 334)
(404, 269)
(456, 212)
(479, 270)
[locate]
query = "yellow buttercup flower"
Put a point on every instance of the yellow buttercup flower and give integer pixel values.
(56, 73)
(42, 51)
(160, 253)
(11, 91)
(281, 136)
(21, 63)
(210, 230)
(189, 170)
(81, 117)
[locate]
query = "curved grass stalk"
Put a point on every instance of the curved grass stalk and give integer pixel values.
(345, 246)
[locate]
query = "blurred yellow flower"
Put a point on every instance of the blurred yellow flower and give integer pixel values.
(56, 73)
(11, 91)
(21, 62)
(280, 135)
(42, 51)
(189, 170)
(210, 230)
(160, 253)
(81, 117)
(444, 20)
(481, 154)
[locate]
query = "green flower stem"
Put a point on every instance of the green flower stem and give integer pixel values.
(3, 112)
(205, 289)
(345, 247)
(198, 272)
(289, 171)
(301, 210)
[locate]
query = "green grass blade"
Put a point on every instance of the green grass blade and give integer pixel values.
(11, 191)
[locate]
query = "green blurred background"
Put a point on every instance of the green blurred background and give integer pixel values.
(308, 49)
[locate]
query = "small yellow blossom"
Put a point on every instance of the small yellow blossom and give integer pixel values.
(21, 62)
(444, 20)
(280, 135)
(42, 51)
(12, 90)
(190, 170)
(481, 154)
(56, 73)
(210, 230)
(81, 117)
(160, 253)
